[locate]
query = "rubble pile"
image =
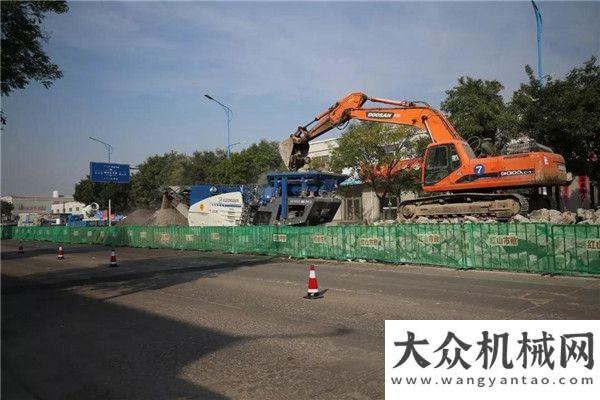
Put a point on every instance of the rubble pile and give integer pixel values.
(582, 216)
(467, 219)
(167, 217)
(137, 217)
(162, 217)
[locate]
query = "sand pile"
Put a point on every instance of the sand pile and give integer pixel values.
(167, 217)
(137, 217)
(163, 217)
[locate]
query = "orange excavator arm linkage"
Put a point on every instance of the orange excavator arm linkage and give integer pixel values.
(294, 150)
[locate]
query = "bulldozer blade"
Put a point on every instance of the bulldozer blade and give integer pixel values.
(285, 150)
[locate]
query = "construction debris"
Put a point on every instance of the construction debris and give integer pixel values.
(582, 216)
(163, 217)
(520, 218)
(553, 216)
(167, 217)
(137, 217)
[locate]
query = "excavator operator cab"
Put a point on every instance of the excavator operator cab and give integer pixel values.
(440, 161)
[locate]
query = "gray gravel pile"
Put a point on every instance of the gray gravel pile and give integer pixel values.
(582, 216)
(167, 217)
(467, 219)
(162, 217)
(137, 217)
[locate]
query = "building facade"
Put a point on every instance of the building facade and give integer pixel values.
(67, 207)
(40, 204)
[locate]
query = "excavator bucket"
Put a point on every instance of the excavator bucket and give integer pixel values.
(294, 155)
(285, 150)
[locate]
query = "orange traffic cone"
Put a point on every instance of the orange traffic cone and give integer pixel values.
(313, 287)
(20, 248)
(113, 258)
(61, 253)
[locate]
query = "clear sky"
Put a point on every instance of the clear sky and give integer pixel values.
(135, 72)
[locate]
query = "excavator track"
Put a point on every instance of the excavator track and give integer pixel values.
(501, 206)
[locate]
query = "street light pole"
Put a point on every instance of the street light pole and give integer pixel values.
(539, 27)
(236, 143)
(109, 148)
(228, 114)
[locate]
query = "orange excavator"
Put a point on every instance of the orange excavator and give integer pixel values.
(460, 183)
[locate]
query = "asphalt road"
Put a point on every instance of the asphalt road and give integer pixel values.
(170, 324)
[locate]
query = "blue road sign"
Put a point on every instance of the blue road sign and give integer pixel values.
(109, 172)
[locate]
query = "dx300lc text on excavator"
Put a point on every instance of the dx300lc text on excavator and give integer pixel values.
(459, 182)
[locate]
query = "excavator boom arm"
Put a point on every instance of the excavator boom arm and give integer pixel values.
(294, 150)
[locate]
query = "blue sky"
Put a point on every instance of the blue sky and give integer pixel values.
(135, 72)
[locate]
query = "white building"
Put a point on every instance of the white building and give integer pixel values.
(67, 207)
(36, 204)
(320, 150)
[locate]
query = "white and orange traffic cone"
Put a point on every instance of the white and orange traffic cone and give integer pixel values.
(313, 287)
(20, 248)
(61, 253)
(113, 258)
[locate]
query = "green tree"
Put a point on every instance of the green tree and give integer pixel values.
(564, 114)
(202, 166)
(169, 169)
(89, 192)
(23, 58)
(249, 164)
(177, 169)
(320, 163)
(373, 151)
(6, 208)
(86, 191)
(476, 108)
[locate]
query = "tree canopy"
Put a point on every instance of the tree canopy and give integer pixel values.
(564, 114)
(476, 108)
(177, 169)
(6, 208)
(366, 146)
(89, 192)
(23, 58)
(169, 169)
(247, 165)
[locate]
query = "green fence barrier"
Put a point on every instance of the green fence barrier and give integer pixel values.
(512, 247)
(6, 232)
(541, 248)
(576, 248)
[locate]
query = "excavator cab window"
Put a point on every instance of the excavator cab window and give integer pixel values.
(441, 161)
